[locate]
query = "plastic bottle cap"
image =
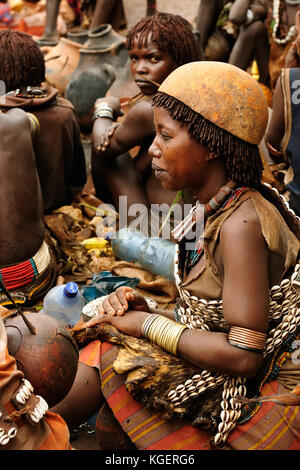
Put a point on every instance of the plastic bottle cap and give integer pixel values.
(71, 289)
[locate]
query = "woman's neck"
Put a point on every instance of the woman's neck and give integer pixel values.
(215, 179)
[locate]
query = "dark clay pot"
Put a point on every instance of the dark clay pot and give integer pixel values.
(101, 61)
(78, 36)
(48, 359)
(61, 62)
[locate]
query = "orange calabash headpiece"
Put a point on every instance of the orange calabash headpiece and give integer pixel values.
(223, 94)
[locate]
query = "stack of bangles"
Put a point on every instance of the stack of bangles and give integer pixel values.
(163, 332)
(250, 340)
(103, 111)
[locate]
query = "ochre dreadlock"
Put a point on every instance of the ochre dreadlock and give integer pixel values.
(242, 159)
(22, 62)
(171, 33)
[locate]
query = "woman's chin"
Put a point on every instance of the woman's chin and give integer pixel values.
(167, 183)
(168, 186)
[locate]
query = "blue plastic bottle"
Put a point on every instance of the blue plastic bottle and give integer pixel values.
(65, 303)
(154, 254)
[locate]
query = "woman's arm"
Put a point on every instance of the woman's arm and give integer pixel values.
(245, 301)
(276, 128)
(137, 125)
(245, 298)
(238, 12)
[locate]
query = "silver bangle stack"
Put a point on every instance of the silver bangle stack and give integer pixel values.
(103, 111)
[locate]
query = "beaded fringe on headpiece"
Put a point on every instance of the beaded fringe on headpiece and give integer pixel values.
(243, 161)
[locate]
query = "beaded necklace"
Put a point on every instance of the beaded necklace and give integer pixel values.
(276, 13)
(29, 92)
(195, 255)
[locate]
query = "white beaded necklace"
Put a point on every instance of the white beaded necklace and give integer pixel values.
(292, 30)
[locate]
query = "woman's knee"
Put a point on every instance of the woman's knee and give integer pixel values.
(84, 398)
(256, 30)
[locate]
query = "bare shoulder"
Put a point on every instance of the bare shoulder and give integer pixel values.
(242, 225)
(15, 115)
(141, 113)
(13, 123)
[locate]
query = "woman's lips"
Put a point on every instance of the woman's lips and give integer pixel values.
(157, 170)
(143, 83)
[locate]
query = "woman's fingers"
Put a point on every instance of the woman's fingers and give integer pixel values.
(117, 303)
(111, 305)
(125, 294)
(104, 139)
(100, 318)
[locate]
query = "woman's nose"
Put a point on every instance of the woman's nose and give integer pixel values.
(141, 67)
(154, 150)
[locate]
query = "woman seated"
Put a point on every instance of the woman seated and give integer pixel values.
(178, 379)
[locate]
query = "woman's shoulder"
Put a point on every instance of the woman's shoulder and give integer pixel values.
(141, 107)
(243, 222)
(141, 114)
(257, 216)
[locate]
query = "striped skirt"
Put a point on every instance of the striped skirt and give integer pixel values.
(272, 427)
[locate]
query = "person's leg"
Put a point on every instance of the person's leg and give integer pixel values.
(107, 11)
(151, 7)
(83, 400)
(252, 43)
(50, 36)
(118, 177)
(207, 16)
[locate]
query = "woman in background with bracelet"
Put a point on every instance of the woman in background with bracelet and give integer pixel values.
(121, 164)
(178, 379)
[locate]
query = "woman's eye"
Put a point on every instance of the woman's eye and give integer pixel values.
(165, 136)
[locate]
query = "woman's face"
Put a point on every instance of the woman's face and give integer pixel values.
(178, 160)
(150, 63)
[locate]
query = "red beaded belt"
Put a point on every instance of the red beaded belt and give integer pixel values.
(23, 273)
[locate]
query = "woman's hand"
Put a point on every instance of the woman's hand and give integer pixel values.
(104, 138)
(130, 323)
(124, 298)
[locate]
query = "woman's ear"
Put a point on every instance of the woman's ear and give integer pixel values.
(211, 155)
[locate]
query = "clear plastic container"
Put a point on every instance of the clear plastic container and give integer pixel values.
(65, 303)
(154, 254)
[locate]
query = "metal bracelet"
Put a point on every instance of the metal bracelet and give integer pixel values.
(103, 113)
